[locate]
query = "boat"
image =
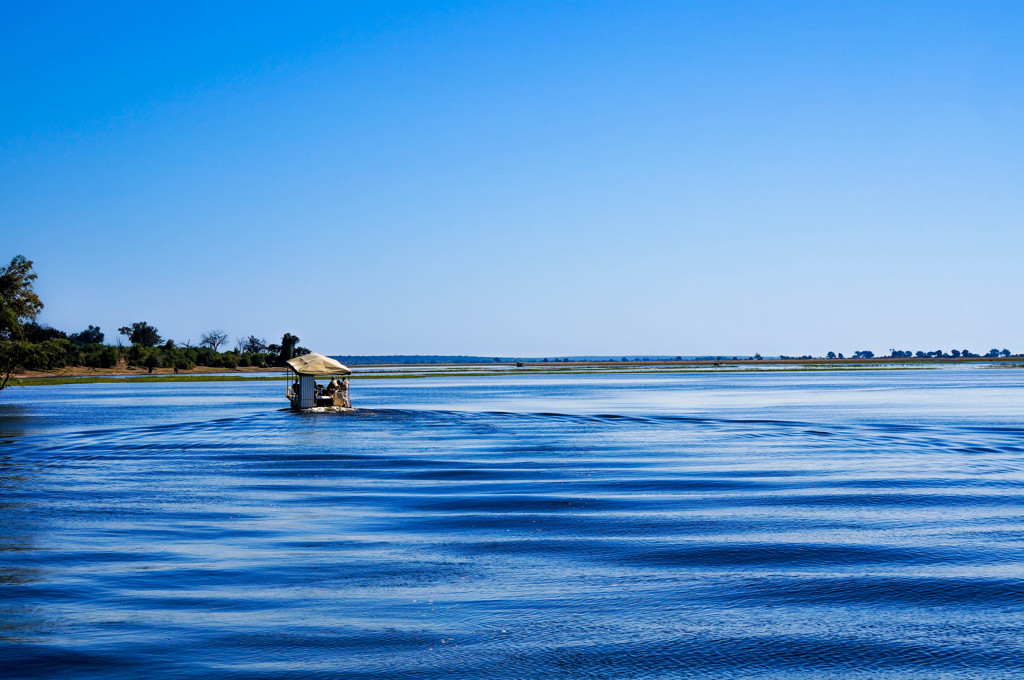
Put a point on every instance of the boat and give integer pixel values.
(304, 392)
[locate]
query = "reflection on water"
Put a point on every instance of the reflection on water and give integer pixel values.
(13, 418)
(775, 526)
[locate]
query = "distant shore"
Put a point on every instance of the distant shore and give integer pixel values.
(122, 370)
(124, 373)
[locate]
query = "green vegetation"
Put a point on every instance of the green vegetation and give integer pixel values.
(28, 346)
(105, 379)
(19, 306)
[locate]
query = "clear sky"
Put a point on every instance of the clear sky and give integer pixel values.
(522, 178)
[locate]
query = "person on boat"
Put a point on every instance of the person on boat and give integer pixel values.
(343, 386)
(332, 386)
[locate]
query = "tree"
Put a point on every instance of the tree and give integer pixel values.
(830, 355)
(213, 339)
(34, 356)
(34, 332)
(19, 306)
(18, 302)
(288, 343)
(1005, 352)
(252, 345)
(90, 336)
(141, 333)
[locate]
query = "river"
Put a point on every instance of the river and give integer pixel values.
(855, 524)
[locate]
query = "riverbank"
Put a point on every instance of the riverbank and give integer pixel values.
(122, 374)
(123, 370)
(126, 371)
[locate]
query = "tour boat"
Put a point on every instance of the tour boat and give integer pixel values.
(304, 392)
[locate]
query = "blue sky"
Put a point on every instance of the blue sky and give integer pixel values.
(522, 178)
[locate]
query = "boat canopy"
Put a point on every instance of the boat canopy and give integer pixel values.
(318, 364)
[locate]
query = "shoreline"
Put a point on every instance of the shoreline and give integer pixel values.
(124, 371)
(121, 374)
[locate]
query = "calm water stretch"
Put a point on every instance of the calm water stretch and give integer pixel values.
(755, 525)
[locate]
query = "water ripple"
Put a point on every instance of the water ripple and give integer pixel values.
(417, 540)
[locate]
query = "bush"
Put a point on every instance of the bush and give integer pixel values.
(43, 356)
(135, 355)
(204, 356)
(152, 360)
(99, 356)
(73, 356)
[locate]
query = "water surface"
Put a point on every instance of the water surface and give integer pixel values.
(776, 525)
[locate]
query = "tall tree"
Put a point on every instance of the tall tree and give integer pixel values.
(288, 343)
(213, 339)
(18, 302)
(19, 306)
(90, 336)
(252, 344)
(141, 333)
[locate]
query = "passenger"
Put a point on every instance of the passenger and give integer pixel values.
(332, 387)
(343, 386)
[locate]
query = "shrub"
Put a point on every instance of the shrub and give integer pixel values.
(101, 356)
(135, 355)
(152, 360)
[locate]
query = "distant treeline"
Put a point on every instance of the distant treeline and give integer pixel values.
(145, 348)
(426, 359)
(26, 345)
(908, 354)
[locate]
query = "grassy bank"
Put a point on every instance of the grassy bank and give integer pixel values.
(578, 369)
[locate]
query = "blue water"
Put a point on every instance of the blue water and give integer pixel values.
(757, 525)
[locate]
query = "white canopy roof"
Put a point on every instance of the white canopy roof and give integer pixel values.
(317, 364)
